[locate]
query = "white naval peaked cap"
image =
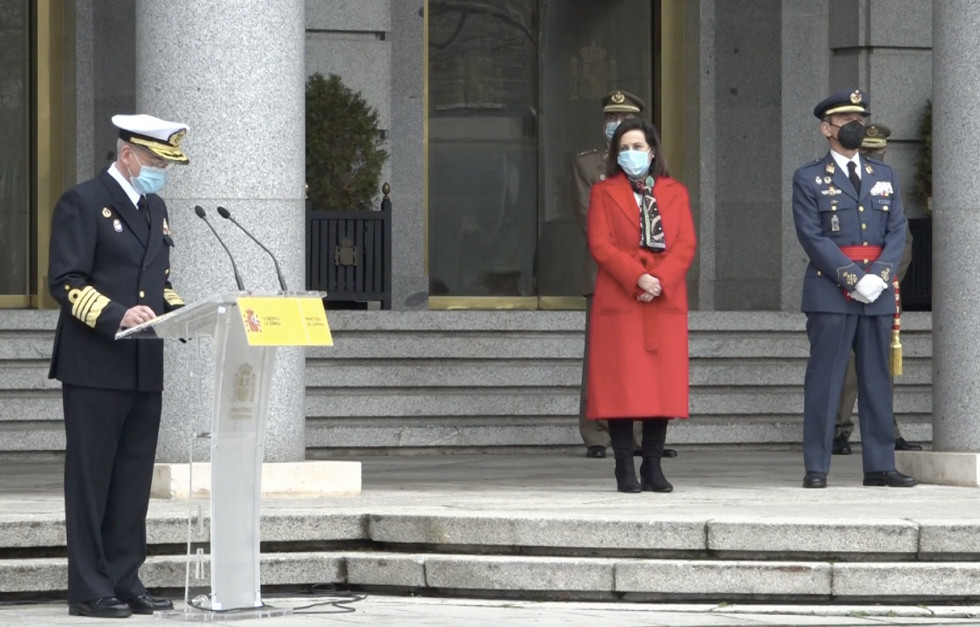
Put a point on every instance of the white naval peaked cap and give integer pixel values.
(160, 137)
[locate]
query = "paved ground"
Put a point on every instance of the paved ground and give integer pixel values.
(409, 611)
(730, 483)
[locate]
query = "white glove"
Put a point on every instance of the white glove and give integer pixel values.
(870, 286)
(856, 295)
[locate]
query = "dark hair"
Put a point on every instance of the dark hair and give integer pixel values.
(636, 123)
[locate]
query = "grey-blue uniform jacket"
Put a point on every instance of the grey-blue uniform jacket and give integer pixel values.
(104, 259)
(828, 215)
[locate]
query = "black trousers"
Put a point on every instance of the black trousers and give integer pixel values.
(111, 441)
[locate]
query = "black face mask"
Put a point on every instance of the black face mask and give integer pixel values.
(851, 135)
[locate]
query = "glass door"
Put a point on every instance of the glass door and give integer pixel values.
(15, 158)
(515, 90)
(483, 147)
(588, 49)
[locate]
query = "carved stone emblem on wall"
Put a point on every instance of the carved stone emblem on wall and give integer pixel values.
(591, 74)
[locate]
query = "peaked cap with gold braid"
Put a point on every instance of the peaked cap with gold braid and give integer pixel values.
(160, 137)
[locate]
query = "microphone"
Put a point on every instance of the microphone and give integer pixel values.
(238, 279)
(224, 213)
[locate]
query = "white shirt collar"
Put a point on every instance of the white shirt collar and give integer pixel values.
(134, 196)
(842, 161)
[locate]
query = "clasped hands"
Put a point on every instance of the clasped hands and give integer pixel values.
(651, 288)
(868, 289)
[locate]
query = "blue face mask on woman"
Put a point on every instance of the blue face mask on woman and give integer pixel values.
(150, 180)
(635, 163)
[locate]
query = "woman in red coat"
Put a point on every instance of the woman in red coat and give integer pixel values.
(641, 235)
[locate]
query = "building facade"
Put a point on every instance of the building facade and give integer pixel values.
(482, 105)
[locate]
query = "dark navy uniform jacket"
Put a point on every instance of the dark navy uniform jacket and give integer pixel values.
(104, 259)
(829, 214)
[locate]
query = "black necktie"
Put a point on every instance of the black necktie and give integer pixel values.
(142, 207)
(852, 173)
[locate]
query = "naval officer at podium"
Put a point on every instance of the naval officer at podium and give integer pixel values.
(109, 268)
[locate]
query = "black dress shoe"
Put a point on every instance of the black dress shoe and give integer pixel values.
(146, 603)
(890, 478)
(596, 452)
(902, 445)
(104, 607)
(815, 480)
(841, 446)
(669, 452)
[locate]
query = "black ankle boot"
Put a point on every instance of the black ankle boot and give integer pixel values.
(626, 476)
(652, 477)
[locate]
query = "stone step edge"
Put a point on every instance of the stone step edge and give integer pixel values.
(534, 575)
(488, 533)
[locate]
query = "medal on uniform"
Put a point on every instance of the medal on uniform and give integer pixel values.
(830, 168)
(827, 180)
(106, 213)
(116, 224)
(867, 168)
(818, 179)
(834, 224)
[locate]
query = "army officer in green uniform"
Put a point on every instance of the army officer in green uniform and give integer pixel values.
(873, 145)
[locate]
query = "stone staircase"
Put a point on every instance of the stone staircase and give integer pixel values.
(475, 381)
(466, 381)
(738, 527)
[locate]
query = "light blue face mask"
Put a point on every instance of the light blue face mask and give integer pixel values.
(635, 163)
(150, 180)
(611, 129)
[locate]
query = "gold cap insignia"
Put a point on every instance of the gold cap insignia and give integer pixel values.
(106, 213)
(618, 97)
(856, 96)
(177, 137)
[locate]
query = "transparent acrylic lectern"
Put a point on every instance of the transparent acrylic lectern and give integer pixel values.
(247, 328)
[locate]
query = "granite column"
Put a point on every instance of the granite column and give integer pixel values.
(234, 72)
(956, 246)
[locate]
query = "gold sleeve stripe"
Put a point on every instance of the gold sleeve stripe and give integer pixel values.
(83, 308)
(88, 305)
(172, 297)
(83, 301)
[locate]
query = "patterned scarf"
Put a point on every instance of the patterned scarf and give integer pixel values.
(651, 229)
